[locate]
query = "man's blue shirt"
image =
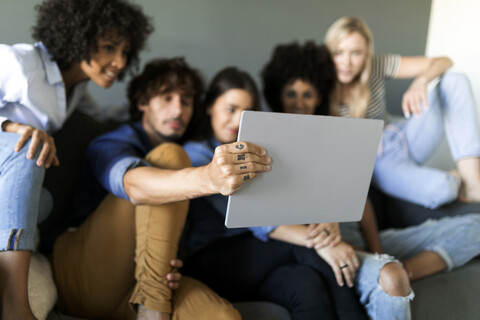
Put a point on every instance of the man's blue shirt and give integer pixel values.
(107, 160)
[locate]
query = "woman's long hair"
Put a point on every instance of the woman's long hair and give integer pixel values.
(226, 79)
(359, 95)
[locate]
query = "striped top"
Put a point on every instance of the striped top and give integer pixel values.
(384, 67)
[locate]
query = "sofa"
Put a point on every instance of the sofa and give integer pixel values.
(444, 296)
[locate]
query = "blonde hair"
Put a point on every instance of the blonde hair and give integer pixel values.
(359, 95)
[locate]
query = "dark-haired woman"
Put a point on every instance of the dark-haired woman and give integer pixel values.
(40, 86)
(250, 263)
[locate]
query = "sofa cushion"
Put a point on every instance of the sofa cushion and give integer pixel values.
(449, 296)
(42, 293)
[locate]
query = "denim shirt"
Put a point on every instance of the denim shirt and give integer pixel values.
(205, 223)
(32, 90)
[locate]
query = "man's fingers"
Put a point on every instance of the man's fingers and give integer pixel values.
(241, 158)
(173, 285)
(245, 168)
(176, 263)
(174, 276)
(244, 147)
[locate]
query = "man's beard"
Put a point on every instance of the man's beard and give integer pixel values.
(170, 138)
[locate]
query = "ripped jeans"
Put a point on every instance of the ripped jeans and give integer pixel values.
(455, 239)
(24, 201)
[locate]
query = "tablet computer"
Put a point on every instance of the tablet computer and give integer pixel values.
(320, 172)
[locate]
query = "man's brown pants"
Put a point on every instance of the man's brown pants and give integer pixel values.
(119, 257)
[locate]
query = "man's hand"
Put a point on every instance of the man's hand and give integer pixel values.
(234, 164)
(343, 260)
(174, 277)
(320, 235)
(48, 154)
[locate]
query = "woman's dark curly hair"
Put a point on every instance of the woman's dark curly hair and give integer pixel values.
(161, 76)
(226, 79)
(289, 62)
(70, 29)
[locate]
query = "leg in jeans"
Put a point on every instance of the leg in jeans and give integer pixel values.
(406, 147)
(20, 188)
(380, 305)
(398, 175)
(95, 268)
(455, 239)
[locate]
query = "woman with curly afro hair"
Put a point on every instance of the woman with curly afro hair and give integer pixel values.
(40, 86)
(299, 78)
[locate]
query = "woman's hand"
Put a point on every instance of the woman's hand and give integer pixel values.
(234, 164)
(48, 153)
(415, 97)
(343, 260)
(320, 235)
(174, 276)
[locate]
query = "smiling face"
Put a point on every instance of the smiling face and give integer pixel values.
(166, 116)
(106, 64)
(349, 56)
(300, 97)
(225, 114)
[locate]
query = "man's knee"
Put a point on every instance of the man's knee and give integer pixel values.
(169, 156)
(394, 280)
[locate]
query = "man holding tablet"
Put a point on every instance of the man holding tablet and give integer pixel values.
(132, 204)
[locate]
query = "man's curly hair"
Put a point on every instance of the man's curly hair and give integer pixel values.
(70, 29)
(290, 62)
(161, 76)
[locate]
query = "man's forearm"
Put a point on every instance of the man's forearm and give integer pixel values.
(155, 186)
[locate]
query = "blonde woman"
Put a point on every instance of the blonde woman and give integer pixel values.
(447, 108)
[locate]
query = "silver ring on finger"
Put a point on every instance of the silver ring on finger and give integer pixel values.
(344, 266)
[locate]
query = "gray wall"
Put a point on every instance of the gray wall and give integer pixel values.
(214, 33)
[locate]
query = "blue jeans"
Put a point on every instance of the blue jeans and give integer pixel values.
(408, 144)
(455, 239)
(24, 201)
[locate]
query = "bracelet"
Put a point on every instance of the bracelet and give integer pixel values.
(4, 124)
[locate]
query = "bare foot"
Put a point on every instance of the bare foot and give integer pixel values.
(470, 194)
(466, 193)
(147, 314)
